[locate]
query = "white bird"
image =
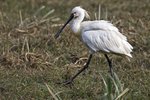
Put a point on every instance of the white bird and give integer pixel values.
(98, 36)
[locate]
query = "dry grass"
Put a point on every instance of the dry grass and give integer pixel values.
(30, 56)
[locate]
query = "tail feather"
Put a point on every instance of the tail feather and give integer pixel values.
(128, 49)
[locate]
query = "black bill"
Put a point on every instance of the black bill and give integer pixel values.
(58, 33)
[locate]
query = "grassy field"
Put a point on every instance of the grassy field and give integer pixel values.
(32, 62)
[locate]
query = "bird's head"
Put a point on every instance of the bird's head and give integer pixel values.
(77, 12)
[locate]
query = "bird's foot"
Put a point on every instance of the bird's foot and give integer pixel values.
(70, 81)
(67, 82)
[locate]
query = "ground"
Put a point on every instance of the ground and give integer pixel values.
(32, 59)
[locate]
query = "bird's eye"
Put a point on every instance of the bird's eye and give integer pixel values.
(74, 13)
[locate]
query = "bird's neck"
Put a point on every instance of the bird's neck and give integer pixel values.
(76, 23)
(75, 26)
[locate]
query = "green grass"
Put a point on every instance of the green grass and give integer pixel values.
(32, 62)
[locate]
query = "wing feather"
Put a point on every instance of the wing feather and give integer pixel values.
(100, 25)
(106, 41)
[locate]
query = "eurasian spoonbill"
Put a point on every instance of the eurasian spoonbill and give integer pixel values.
(98, 36)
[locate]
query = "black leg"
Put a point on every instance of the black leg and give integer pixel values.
(110, 64)
(84, 67)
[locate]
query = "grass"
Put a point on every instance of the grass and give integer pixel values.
(32, 62)
(114, 90)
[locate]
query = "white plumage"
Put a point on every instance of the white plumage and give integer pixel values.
(103, 36)
(98, 36)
